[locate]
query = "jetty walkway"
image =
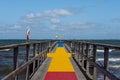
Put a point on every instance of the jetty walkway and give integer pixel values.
(61, 60)
(60, 67)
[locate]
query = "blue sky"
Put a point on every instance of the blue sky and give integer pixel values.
(73, 19)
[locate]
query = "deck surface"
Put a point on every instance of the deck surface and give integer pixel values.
(60, 67)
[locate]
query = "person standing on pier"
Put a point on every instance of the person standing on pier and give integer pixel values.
(28, 34)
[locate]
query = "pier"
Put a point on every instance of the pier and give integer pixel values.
(61, 60)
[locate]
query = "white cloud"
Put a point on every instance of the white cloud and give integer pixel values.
(74, 26)
(58, 12)
(49, 23)
(79, 25)
(31, 15)
(54, 20)
(51, 20)
(51, 15)
(10, 28)
(15, 27)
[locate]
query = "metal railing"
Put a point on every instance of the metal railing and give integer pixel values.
(85, 54)
(32, 63)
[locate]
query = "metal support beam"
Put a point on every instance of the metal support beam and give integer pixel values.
(94, 60)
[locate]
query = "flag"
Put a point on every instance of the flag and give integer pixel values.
(60, 37)
(28, 34)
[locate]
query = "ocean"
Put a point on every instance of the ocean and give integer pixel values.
(6, 56)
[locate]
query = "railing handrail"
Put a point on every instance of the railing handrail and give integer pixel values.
(22, 67)
(21, 44)
(41, 47)
(85, 43)
(83, 47)
(98, 44)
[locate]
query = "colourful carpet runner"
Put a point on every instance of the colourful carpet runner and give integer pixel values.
(60, 67)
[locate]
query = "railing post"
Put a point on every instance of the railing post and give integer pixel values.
(34, 52)
(43, 46)
(27, 52)
(75, 49)
(27, 59)
(40, 47)
(106, 60)
(49, 46)
(15, 60)
(41, 53)
(46, 48)
(44, 52)
(94, 60)
(78, 51)
(82, 64)
(71, 44)
(38, 51)
(87, 55)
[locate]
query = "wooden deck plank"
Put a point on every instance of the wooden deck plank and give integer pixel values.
(41, 72)
(46, 66)
(78, 72)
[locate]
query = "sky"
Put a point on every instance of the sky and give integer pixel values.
(71, 19)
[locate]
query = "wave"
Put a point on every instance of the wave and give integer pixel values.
(5, 50)
(110, 59)
(114, 66)
(100, 50)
